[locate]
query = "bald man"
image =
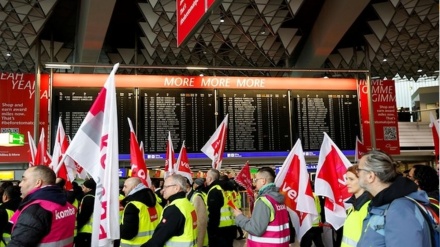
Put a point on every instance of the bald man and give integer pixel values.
(141, 213)
(44, 217)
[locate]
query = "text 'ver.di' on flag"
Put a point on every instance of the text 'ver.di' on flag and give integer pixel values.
(138, 166)
(330, 181)
(95, 148)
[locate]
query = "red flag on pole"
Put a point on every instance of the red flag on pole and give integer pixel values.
(435, 134)
(215, 146)
(244, 179)
(294, 183)
(95, 148)
(141, 147)
(361, 149)
(60, 146)
(182, 164)
(169, 157)
(330, 181)
(138, 166)
(32, 150)
(42, 156)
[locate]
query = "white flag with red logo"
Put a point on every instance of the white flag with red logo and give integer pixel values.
(42, 156)
(59, 149)
(32, 150)
(244, 179)
(95, 148)
(435, 134)
(169, 157)
(215, 146)
(360, 149)
(138, 166)
(330, 181)
(182, 164)
(294, 183)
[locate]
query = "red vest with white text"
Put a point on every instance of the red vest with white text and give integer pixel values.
(63, 223)
(277, 233)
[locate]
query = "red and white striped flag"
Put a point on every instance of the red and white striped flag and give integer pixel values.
(360, 149)
(60, 146)
(294, 183)
(182, 164)
(215, 146)
(244, 179)
(169, 157)
(42, 156)
(138, 166)
(95, 148)
(32, 150)
(330, 181)
(435, 134)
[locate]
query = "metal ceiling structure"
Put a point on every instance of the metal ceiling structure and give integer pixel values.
(388, 37)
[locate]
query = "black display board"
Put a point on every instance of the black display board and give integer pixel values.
(334, 112)
(258, 120)
(188, 114)
(73, 104)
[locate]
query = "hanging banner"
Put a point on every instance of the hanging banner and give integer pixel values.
(383, 95)
(17, 103)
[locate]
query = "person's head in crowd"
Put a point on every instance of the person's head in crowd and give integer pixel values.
(352, 181)
(4, 185)
(174, 184)
(155, 183)
(11, 193)
(198, 182)
(211, 176)
(130, 184)
(425, 177)
(88, 186)
(376, 171)
(60, 182)
(188, 185)
(264, 176)
(36, 177)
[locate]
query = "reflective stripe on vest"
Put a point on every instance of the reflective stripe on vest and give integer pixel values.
(189, 236)
(88, 227)
(148, 220)
(226, 215)
(62, 242)
(353, 226)
(348, 242)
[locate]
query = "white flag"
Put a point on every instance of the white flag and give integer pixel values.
(32, 150)
(294, 183)
(169, 159)
(215, 146)
(95, 148)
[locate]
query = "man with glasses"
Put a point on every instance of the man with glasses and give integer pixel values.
(178, 225)
(392, 219)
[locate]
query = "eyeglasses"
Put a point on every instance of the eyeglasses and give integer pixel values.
(167, 186)
(361, 169)
(256, 179)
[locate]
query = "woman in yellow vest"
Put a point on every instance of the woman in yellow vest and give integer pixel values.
(357, 213)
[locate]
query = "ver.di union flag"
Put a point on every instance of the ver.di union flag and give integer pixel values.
(95, 148)
(294, 183)
(169, 157)
(138, 166)
(244, 179)
(182, 164)
(215, 146)
(330, 181)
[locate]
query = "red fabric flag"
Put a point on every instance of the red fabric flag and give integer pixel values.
(95, 148)
(60, 147)
(32, 150)
(330, 181)
(294, 183)
(182, 164)
(42, 156)
(138, 166)
(435, 134)
(215, 146)
(141, 147)
(244, 179)
(169, 157)
(361, 149)
(231, 204)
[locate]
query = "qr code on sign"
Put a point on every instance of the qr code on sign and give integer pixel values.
(390, 133)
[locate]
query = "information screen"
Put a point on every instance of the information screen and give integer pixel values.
(73, 104)
(258, 120)
(188, 114)
(334, 112)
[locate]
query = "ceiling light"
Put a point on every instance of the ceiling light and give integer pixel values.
(419, 70)
(325, 77)
(263, 32)
(222, 20)
(8, 54)
(57, 66)
(201, 75)
(384, 60)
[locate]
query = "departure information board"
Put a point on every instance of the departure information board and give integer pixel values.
(258, 120)
(187, 114)
(333, 112)
(73, 104)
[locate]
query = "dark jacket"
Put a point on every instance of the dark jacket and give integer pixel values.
(85, 209)
(172, 224)
(35, 222)
(130, 226)
(215, 202)
(5, 225)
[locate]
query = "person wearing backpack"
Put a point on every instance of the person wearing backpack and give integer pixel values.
(392, 220)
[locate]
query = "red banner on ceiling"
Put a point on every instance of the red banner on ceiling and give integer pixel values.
(383, 94)
(17, 103)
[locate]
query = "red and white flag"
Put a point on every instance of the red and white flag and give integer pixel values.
(294, 183)
(169, 157)
(138, 166)
(141, 147)
(95, 148)
(435, 134)
(182, 164)
(244, 179)
(32, 150)
(59, 149)
(360, 150)
(215, 146)
(330, 181)
(42, 156)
